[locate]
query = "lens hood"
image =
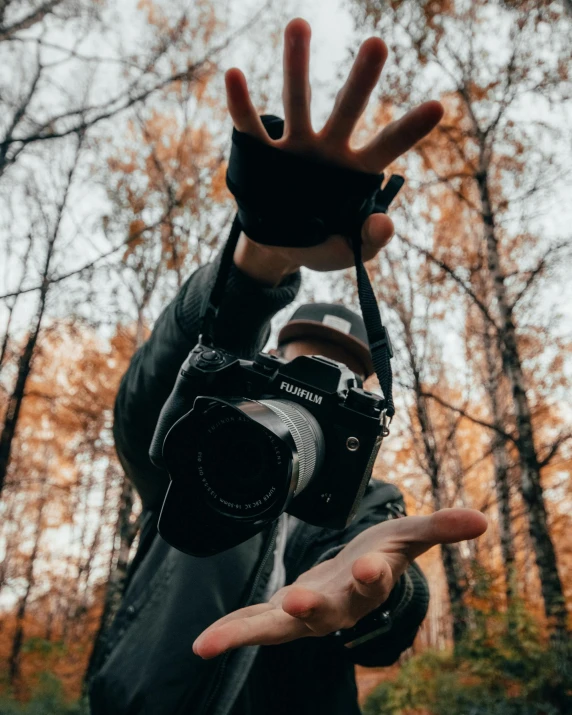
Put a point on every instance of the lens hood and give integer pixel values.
(213, 502)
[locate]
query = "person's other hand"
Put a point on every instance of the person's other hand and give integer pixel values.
(337, 593)
(332, 142)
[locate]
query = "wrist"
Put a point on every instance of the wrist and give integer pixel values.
(266, 264)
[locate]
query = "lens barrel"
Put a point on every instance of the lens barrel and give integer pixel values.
(307, 436)
(253, 456)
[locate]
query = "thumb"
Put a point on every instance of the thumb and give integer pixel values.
(376, 233)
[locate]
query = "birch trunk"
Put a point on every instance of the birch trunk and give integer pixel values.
(18, 640)
(452, 562)
(501, 464)
(16, 399)
(552, 593)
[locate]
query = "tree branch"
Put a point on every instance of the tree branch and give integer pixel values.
(34, 17)
(558, 442)
(19, 113)
(535, 272)
(90, 264)
(472, 418)
(447, 269)
(88, 123)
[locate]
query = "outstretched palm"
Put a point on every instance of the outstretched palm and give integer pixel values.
(337, 593)
(332, 142)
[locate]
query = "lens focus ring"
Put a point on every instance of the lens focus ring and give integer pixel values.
(306, 434)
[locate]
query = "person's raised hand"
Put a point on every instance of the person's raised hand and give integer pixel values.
(270, 263)
(337, 593)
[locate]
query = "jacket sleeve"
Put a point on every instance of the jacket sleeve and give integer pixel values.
(242, 327)
(379, 638)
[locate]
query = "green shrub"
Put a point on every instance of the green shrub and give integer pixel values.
(47, 699)
(503, 667)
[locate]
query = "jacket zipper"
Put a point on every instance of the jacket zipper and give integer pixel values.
(223, 662)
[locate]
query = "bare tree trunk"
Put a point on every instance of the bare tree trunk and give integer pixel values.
(18, 640)
(554, 603)
(452, 562)
(125, 532)
(501, 467)
(12, 306)
(9, 544)
(17, 397)
(431, 462)
(85, 568)
(26, 358)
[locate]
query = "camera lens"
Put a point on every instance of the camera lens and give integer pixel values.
(242, 460)
(306, 434)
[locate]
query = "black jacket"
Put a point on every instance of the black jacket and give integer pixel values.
(148, 667)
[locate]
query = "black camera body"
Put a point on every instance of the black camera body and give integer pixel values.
(263, 436)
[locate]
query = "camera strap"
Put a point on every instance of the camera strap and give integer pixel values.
(292, 200)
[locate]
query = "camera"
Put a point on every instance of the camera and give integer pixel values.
(246, 440)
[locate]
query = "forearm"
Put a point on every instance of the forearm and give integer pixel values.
(242, 327)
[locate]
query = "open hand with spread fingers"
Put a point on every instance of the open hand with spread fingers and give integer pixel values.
(336, 593)
(332, 143)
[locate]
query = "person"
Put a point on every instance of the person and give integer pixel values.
(275, 625)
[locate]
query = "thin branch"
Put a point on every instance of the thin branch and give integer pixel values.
(77, 55)
(447, 269)
(535, 272)
(447, 180)
(88, 123)
(19, 113)
(558, 442)
(107, 112)
(12, 306)
(90, 264)
(472, 418)
(34, 17)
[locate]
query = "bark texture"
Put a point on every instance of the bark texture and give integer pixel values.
(501, 464)
(531, 488)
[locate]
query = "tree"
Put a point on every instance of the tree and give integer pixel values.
(51, 231)
(146, 203)
(432, 437)
(485, 168)
(39, 126)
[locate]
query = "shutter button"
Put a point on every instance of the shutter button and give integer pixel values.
(211, 357)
